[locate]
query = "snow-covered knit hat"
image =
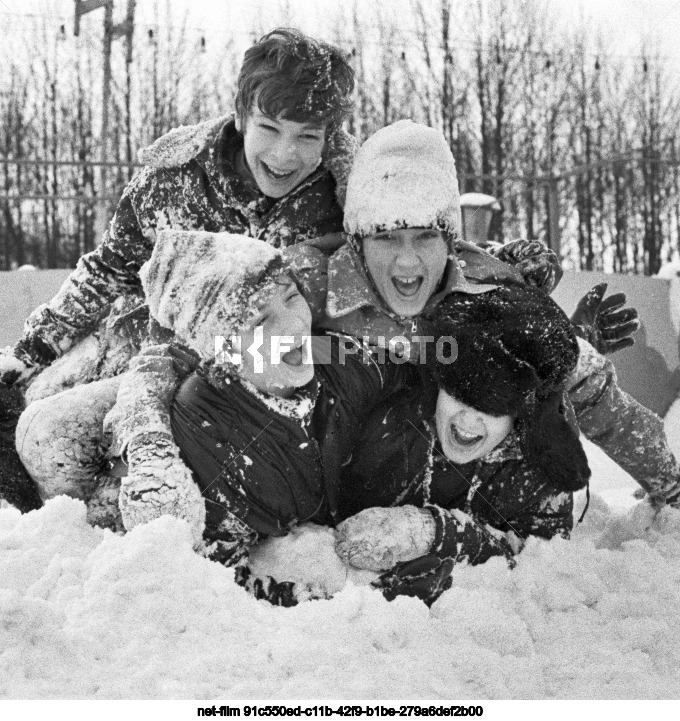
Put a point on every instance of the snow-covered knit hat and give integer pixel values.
(404, 176)
(516, 348)
(201, 285)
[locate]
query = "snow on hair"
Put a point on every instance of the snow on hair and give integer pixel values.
(291, 73)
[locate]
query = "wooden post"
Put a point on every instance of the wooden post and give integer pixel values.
(111, 32)
(83, 7)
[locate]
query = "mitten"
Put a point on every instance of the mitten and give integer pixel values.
(377, 538)
(158, 483)
(605, 324)
(425, 578)
(539, 265)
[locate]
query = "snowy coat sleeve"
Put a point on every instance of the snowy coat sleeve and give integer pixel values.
(459, 536)
(544, 513)
(100, 277)
(627, 432)
(146, 391)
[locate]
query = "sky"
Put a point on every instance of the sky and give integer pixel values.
(623, 21)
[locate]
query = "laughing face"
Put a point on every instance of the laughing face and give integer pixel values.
(280, 153)
(466, 434)
(406, 266)
(285, 365)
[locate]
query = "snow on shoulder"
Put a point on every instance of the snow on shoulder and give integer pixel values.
(181, 144)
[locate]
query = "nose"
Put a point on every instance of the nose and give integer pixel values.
(284, 150)
(407, 257)
(466, 418)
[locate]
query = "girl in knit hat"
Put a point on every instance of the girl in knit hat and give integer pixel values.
(481, 459)
(263, 444)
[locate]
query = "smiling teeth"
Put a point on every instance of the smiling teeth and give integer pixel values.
(276, 171)
(410, 279)
(465, 436)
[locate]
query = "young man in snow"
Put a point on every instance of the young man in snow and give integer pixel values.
(403, 258)
(476, 459)
(264, 444)
(273, 171)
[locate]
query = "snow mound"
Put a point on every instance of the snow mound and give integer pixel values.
(89, 614)
(668, 271)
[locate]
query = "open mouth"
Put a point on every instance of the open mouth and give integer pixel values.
(293, 357)
(407, 286)
(277, 173)
(464, 439)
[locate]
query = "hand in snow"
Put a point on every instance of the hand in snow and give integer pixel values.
(158, 483)
(425, 578)
(605, 324)
(540, 267)
(377, 538)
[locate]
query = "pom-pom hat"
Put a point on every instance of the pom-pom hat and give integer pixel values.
(201, 285)
(403, 176)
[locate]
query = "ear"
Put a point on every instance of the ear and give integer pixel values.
(238, 123)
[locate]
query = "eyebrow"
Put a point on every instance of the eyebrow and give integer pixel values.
(305, 126)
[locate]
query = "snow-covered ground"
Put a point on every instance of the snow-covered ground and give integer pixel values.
(88, 614)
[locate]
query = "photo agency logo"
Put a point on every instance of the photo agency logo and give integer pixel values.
(318, 349)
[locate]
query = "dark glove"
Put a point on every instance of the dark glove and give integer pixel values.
(278, 593)
(425, 578)
(540, 267)
(605, 324)
(16, 486)
(184, 360)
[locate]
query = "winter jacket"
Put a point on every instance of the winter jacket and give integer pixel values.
(265, 463)
(481, 509)
(189, 183)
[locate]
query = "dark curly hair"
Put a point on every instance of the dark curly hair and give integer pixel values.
(306, 80)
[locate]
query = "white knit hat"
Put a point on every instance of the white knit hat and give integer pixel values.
(202, 285)
(404, 176)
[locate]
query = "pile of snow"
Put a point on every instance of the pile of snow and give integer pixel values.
(669, 271)
(88, 614)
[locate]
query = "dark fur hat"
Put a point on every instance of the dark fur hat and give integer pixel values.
(515, 350)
